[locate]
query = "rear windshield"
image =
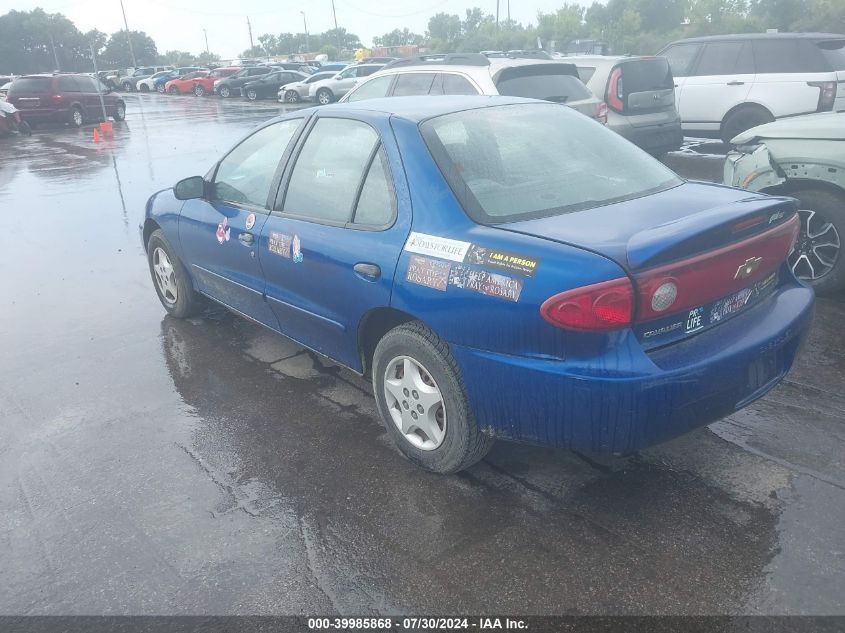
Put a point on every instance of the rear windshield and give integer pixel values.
(550, 82)
(834, 53)
(646, 75)
(516, 162)
(32, 85)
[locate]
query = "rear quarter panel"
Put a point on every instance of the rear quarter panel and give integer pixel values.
(787, 94)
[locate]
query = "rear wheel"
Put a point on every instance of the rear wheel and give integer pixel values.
(292, 96)
(252, 94)
(817, 257)
(324, 96)
(120, 112)
(742, 119)
(225, 92)
(173, 90)
(170, 278)
(422, 402)
(199, 91)
(75, 118)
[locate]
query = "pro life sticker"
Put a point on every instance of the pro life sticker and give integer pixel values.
(694, 320)
(250, 221)
(433, 273)
(280, 244)
(486, 283)
(503, 260)
(297, 250)
(223, 231)
(433, 246)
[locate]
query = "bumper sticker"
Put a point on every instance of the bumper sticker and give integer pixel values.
(433, 273)
(486, 283)
(433, 246)
(223, 231)
(280, 244)
(296, 250)
(503, 260)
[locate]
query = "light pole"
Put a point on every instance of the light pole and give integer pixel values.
(205, 34)
(128, 38)
(339, 42)
(305, 26)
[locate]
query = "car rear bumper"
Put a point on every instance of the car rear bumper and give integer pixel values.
(628, 399)
(656, 139)
(37, 115)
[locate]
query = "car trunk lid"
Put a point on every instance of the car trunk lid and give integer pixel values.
(549, 81)
(643, 87)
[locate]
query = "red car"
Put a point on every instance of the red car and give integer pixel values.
(64, 98)
(184, 85)
(205, 85)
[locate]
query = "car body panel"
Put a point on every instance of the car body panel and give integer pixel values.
(525, 379)
(268, 85)
(56, 104)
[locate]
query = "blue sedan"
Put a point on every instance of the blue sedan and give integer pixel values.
(501, 268)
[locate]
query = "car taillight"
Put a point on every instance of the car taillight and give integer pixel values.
(57, 99)
(827, 94)
(614, 90)
(601, 112)
(608, 305)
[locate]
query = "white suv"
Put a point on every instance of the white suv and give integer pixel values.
(727, 84)
(474, 73)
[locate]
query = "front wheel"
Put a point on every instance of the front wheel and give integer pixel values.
(225, 92)
(324, 96)
(127, 86)
(817, 256)
(292, 96)
(252, 94)
(422, 402)
(170, 278)
(160, 88)
(145, 88)
(199, 91)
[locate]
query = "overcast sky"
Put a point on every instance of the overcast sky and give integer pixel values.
(178, 24)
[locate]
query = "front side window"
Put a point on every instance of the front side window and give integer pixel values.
(411, 84)
(681, 57)
(329, 169)
(366, 71)
(516, 162)
(245, 174)
(375, 87)
(349, 73)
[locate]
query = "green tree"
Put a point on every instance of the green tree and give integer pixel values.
(398, 37)
(329, 50)
(117, 53)
(444, 31)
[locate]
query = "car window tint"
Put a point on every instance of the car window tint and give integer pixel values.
(788, 56)
(86, 84)
(719, 58)
(375, 87)
(456, 85)
(244, 175)
(366, 71)
(548, 81)
(329, 169)
(349, 72)
(68, 84)
(377, 203)
(32, 85)
(680, 58)
(834, 53)
(646, 75)
(409, 84)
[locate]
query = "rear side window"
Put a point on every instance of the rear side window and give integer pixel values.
(833, 52)
(549, 82)
(68, 84)
(585, 73)
(377, 202)
(646, 75)
(455, 85)
(680, 58)
(788, 56)
(366, 71)
(32, 85)
(410, 84)
(328, 172)
(725, 58)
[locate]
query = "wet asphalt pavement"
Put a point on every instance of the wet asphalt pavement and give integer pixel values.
(156, 466)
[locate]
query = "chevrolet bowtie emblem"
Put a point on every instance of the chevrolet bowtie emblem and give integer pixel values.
(745, 270)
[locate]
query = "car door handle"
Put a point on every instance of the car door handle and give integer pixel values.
(736, 83)
(370, 272)
(246, 238)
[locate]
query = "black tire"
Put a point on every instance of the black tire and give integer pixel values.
(829, 209)
(145, 88)
(324, 96)
(127, 86)
(292, 96)
(75, 117)
(252, 94)
(25, 128)
(199, 91)
(188, 303)
(120, 111)
(160, 88)
(742, 119)
(173, 90)
(463, 444)
(224, 91)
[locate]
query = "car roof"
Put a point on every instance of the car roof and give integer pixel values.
(419, 109)
(762, 36)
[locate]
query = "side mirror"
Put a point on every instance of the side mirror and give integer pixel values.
(338, 78)
(189, 188)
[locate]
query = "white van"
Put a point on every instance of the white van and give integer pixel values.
(726, 84)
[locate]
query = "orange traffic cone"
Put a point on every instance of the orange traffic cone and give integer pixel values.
(106, 129)
(96, 135)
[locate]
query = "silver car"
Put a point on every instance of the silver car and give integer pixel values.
(640, 95)
(335, 87)
(300, 90)
(473, 73)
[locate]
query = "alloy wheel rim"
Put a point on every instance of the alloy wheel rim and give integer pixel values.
(293, 97)
(251, 94)
(224, 92)
(415, 403)
(324, 98)
(165, 276)
(77, 117)
(817, 248)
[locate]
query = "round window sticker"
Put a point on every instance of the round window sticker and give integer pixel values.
(250, 221)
